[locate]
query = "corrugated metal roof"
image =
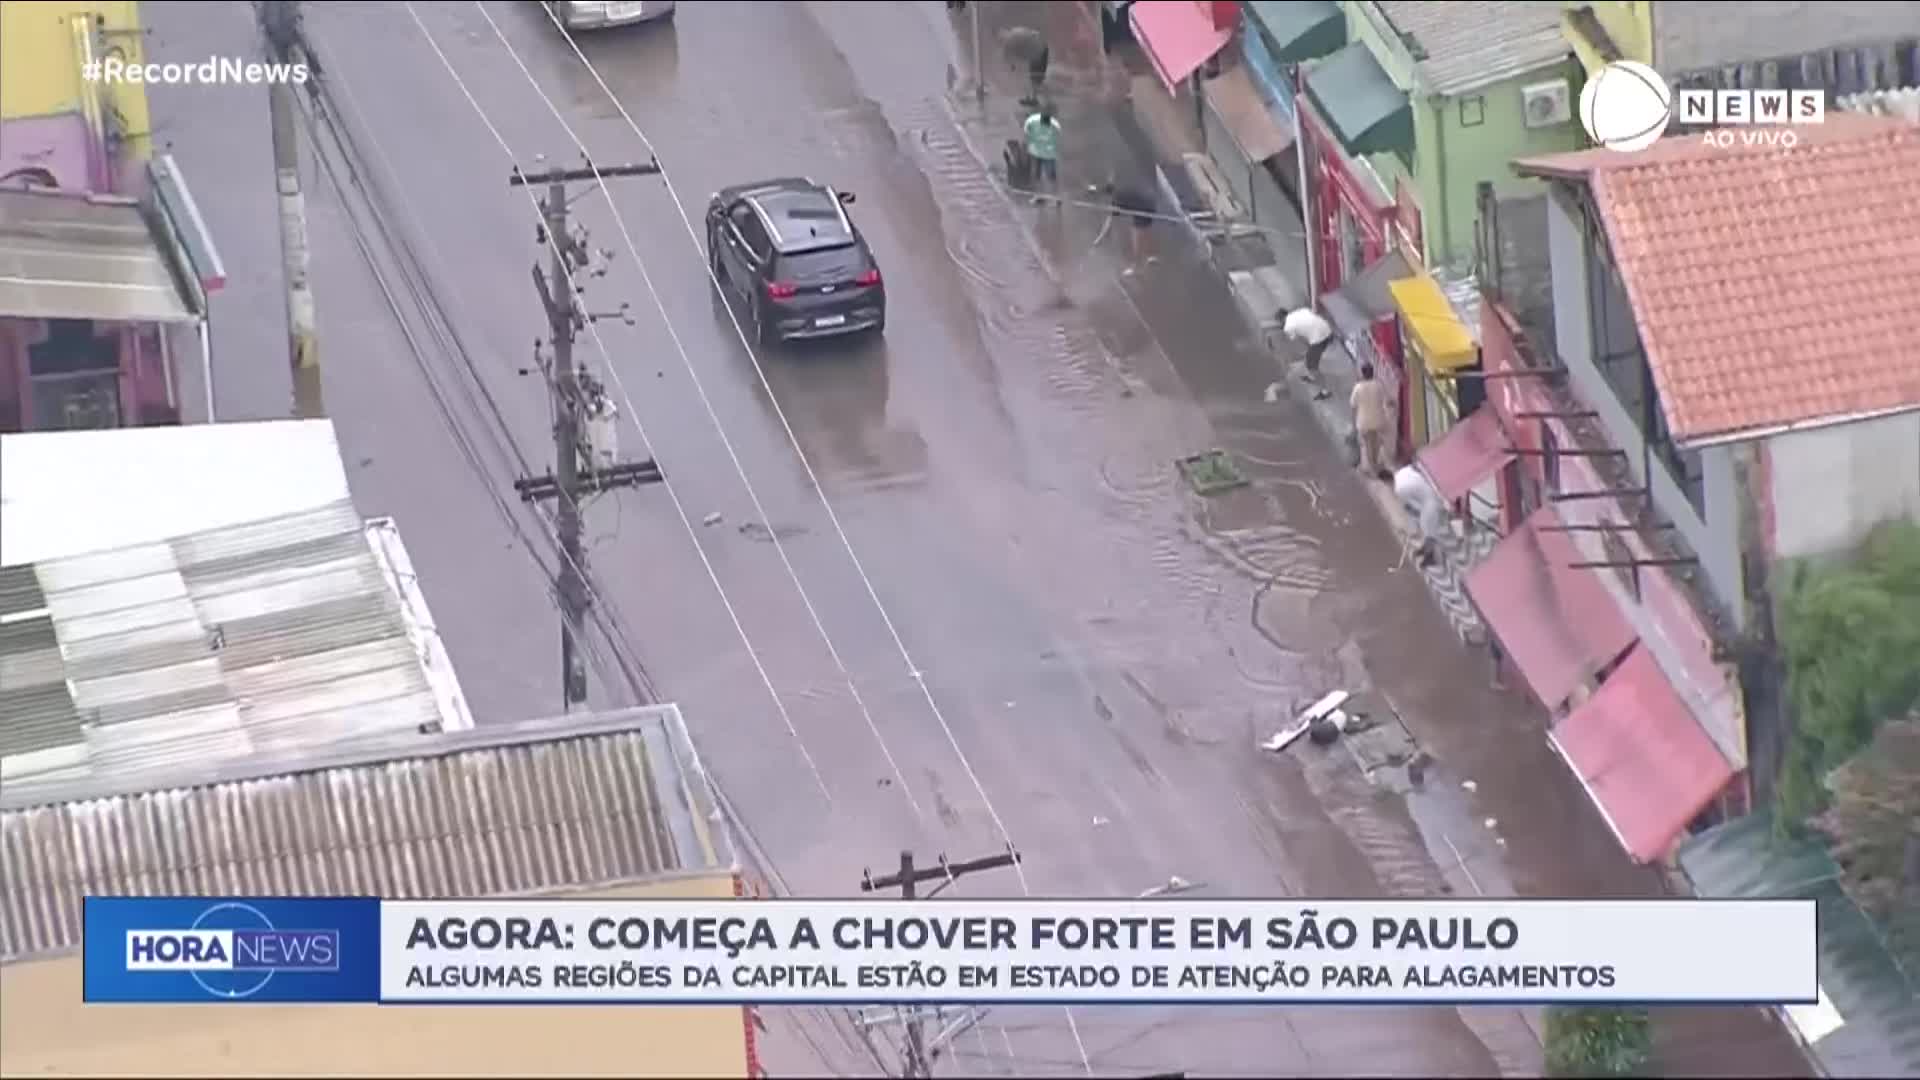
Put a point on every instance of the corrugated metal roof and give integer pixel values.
(1469, 46)
(276, 636)
(63, 257)
(544, 807)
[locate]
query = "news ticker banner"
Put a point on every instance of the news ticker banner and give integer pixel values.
(1148, 952)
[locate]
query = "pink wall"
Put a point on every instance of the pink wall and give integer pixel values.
(58, 144)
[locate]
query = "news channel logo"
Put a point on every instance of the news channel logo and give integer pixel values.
(232, 950)
(1627, 106)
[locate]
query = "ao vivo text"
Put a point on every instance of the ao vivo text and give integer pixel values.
(233, 950)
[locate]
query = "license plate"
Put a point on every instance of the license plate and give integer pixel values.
(622, 11)
(830, 320)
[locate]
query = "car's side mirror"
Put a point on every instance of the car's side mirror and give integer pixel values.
(846, 197)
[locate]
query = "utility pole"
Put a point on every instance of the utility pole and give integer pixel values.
(582, 410)
(919, 1061)
(280, 22)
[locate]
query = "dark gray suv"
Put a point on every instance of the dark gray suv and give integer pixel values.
(789, 252)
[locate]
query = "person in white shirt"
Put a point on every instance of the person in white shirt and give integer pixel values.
(1424, 505)
(1307, 327)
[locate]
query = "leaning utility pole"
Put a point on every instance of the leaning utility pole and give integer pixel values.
(577, 397)
(280, 22)
(919, 1063)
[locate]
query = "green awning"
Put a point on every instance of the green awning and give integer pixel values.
(1368, 114)
(1869, 1024)
(1300, 29)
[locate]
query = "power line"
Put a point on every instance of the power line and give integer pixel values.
(699, 385)
(920, 1052)
(439, 322)
(833, 516)
(462, 442)
(679, 506)
(576, 396)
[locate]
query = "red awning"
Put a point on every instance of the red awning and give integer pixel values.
(1559, 624)
(1475, 449)
(1177, 36)
(1643, 758)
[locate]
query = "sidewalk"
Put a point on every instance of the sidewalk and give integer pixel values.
(1195, 331)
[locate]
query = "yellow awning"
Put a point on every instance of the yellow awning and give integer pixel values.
(1433, 324)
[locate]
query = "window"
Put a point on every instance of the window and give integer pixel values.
(751, 231)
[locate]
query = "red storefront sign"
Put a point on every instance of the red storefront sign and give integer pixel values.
(1337, 193)
(1412, 239)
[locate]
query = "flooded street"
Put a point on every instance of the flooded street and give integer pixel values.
(1009, 620)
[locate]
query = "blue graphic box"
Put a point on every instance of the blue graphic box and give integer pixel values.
(231, 949)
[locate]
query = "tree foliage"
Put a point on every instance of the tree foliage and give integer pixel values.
(1873, 831)
(1597, 1041)
(1850, 637)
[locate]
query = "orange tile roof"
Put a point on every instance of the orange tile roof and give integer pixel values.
(1771, 286)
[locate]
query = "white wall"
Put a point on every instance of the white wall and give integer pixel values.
(1715, 539)
(1832, 485)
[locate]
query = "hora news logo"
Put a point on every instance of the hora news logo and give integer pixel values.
(1628, 106)
(232, 950)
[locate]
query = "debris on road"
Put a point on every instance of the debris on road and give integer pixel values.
(1175, 884)
(1099, 821)
(1283, 739)
(1211, 473)
(1469, 785)
(711, 519)
(1319, 719)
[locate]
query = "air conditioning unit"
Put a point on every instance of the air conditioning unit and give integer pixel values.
(1547, 104)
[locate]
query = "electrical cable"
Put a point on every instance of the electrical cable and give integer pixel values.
(753, 495)
(462, 441)
(601, 608)
(607, 358)
(915, 672)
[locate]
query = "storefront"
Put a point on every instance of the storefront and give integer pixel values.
(1275, 36)
(1349, 108)
(1625, 669)
(1179, 37)
(1443, 369)
(1246, 141)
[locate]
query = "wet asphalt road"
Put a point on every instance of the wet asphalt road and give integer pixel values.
(1100, 652)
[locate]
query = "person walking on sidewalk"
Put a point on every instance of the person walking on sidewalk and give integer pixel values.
(1369, 402)
(1306, 326)
(1037, 74)
(1043, 145)
(1424, 506)
(1132, 201)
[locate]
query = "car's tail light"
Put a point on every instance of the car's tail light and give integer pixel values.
(871, 277)
(780, 290)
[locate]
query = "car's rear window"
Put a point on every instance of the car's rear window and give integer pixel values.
(844, 259)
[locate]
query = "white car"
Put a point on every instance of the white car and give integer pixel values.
(598, 14)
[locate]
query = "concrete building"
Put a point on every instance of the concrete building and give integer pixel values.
(104, 265)
(1693, 410)
(612, 806)
(202, 594)
(1404, 110)
(84, 135)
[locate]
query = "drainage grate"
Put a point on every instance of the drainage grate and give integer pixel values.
(1211, 473)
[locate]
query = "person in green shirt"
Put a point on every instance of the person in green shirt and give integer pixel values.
(1043, 145)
